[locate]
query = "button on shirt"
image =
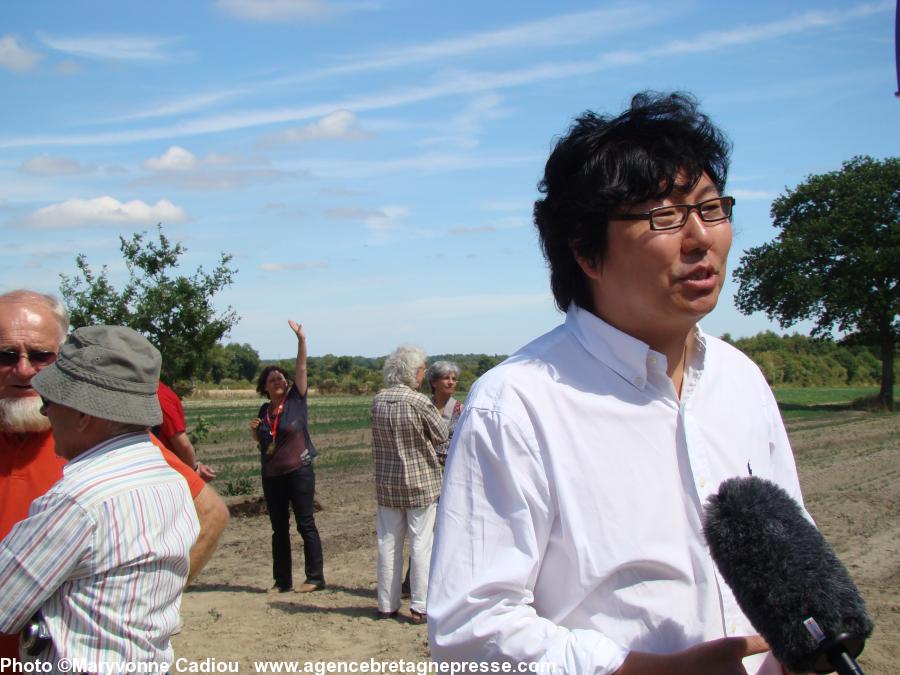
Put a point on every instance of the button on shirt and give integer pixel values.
(104, 556)
(569, 527)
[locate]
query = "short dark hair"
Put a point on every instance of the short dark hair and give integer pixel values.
(264, 375)
(604, 163)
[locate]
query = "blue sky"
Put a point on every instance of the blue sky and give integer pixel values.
(372, 164)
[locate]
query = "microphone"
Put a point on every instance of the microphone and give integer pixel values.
(786, 578)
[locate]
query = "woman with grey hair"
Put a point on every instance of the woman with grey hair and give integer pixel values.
(406, 430)
(442, 377)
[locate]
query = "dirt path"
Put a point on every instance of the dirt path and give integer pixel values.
(850, 473)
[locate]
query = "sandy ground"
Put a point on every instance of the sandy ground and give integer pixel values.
(850, 473)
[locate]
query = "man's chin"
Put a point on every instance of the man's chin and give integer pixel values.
(22, 415)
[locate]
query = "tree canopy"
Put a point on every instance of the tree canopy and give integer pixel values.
(836, 260)
(174, 312)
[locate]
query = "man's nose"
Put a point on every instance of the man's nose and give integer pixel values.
(24, 369)
(695, 233)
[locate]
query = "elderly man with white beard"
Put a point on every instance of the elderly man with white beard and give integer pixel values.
(33, 326)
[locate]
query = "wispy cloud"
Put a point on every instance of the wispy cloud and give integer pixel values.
(15, 57)
(384, 218)
(566, 29)
(181, 106)
(752, 195)
(472, 82)
(104, 210)
(68, 67)
(112, 47)
(47, 165)
(179, 168)
(339, 125)
(274, 10)
(463, 130)
(293, 266)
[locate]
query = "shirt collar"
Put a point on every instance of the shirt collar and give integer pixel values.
(630, 358)
(101, 448)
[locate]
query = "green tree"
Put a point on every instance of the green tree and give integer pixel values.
(836, 259)
(174, 312)
(244, 361)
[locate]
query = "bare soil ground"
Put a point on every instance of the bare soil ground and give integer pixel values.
(849, 468)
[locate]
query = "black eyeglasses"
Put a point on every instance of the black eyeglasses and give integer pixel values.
(37, 357)
(674, 216)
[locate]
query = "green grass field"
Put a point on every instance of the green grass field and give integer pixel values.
(339, 426)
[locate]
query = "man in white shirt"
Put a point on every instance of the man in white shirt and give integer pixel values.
(570, 522)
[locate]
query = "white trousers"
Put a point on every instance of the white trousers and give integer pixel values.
(391, 527)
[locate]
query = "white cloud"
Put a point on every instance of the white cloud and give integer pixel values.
(46, 165)
(180, 168)
(104, 210)
(339, 125)
(752, 195)
(175, 158)
(462, 131)
(465, 229)
(15, 57)
(469, 82)
(385, 218)
(566, 29)
(273, 10)
(68, 67)
(215, 179)
(181, 106)
(296, 266)
(112, 47)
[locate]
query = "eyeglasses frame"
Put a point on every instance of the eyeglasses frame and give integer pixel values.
(36, 357)
(690, 207)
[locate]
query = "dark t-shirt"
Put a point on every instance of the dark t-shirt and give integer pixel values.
(292, 446)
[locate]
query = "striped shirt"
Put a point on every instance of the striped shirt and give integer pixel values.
(406, 429)
(104, 556)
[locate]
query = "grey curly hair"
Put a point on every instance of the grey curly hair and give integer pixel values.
(402, 365)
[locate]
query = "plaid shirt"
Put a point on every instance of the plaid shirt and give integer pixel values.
(406, 428)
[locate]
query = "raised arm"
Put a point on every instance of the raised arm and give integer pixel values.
(300, 368)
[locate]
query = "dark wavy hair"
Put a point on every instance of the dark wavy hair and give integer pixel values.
(264, 375)
(604, 163)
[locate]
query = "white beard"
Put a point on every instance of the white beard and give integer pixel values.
(22, 415)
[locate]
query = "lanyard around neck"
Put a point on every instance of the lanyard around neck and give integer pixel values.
(273, 424)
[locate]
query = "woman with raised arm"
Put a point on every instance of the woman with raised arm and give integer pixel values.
(286, 452)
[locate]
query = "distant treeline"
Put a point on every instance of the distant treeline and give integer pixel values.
(789, 360)
(801, 361)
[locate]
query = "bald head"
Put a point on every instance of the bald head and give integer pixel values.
(32, 328)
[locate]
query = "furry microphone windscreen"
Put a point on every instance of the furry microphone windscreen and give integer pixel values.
(782, 572)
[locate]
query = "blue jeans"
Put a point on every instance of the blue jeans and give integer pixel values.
(294, 490)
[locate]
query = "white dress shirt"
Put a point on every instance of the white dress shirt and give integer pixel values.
(104, 556)
(569, 526)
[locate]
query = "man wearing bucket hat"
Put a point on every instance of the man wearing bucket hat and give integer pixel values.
(101, 560)
(33, 326)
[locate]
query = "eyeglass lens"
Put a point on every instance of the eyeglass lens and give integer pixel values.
(673, 216)
(37, 358)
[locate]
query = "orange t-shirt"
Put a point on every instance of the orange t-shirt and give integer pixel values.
(28, 468)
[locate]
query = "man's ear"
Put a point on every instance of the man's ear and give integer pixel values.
(593, 269)
(84, 422)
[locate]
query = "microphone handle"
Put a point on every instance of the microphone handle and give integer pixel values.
(843, 663)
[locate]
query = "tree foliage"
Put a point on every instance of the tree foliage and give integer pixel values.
(232, 362)
(836, 260)
(173, 311)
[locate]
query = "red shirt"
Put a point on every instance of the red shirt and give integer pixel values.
(173, 415)
(28, 468)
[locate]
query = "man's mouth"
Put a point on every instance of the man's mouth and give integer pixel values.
(700, 274)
